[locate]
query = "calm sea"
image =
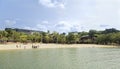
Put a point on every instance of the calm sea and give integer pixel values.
(66, 58)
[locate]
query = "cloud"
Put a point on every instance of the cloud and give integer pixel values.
(37, 27)
(45, 22)
(52, 4)
(94, 13)
(47, 3)
(59, 26)
(67, 26)
(10, 22)
(42, 27)
(61, 6)
(30, 28)
(104, 26)
(62, 26)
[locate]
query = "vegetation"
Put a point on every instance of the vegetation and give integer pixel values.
(108, 36)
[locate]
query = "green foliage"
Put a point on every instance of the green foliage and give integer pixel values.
(62, 38)
(108, 36)
(71, 38)
(92, 33)
(23, 38)
(116, 38)
(112, 30)
(111, 38)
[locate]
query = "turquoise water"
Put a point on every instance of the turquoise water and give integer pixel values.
(76, 58)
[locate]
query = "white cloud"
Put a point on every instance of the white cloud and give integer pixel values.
(10, 22)
(61, 6)
(68, 26)
(82, 15)
(52, 4)
(62, 26)
(27, 27)
(42, 27)
(30, 28)
(45, 22)
(59, 26)
(47, 3)
(104, 26)
(94, 13)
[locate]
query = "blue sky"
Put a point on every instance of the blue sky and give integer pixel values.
(60, 15)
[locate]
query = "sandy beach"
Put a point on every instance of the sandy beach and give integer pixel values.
(42, 46)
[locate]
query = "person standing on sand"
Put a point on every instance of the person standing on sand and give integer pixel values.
(24, 47)
(20, 46)
(17, 46)
(38, 46)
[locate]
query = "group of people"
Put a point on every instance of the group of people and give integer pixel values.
(33, 46)
(18, 46)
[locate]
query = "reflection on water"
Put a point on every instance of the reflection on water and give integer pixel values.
(76, 58)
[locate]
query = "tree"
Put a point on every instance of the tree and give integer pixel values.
(23, 38)
(47, 39)
(71, 38)
(37, 37)
(92, 35)
(62, 38)
(105, 39)
(3, 36)
(108, 36)
(116, 38)
(16, 36)
(55, 37)
(112, 30)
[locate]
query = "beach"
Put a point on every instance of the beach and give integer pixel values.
(42, 46)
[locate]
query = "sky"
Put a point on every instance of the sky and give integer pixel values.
(60, 15)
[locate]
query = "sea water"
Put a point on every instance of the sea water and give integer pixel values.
(63, 58)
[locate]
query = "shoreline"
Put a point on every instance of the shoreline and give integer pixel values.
(18, 46)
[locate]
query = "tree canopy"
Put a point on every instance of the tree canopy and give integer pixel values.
(107, 36)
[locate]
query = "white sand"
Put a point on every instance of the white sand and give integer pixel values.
(42, 46)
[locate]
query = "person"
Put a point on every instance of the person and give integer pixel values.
(20, 46)
(38, 46)
(17, 46)
(32, 46)
(24, 47)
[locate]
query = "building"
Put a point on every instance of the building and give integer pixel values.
(88, 39)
